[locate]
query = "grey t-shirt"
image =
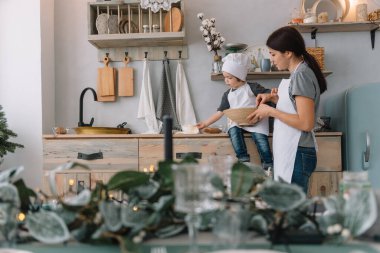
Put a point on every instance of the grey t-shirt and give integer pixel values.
(303, 82)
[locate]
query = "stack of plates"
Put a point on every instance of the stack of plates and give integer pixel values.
(107, 24)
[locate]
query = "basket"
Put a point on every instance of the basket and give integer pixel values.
(239, 115)
(319, 54)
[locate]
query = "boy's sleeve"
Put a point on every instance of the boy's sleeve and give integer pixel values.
(224, 104)
(257, 88)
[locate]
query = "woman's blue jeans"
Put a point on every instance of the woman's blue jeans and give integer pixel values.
(305, 164)
(262, 144)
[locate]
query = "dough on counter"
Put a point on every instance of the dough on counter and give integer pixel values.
(211, 130)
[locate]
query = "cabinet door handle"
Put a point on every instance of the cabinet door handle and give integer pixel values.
(93, 156)
(367, 152)
(196, 155)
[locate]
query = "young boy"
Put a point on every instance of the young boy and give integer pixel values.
(242, 94)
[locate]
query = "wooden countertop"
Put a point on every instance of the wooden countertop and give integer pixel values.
(155, 136)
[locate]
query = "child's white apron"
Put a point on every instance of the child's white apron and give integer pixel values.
(244, 97)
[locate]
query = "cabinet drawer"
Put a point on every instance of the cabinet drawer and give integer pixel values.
(324, 183)
(118, 154)
(151, 151)
(329, 154)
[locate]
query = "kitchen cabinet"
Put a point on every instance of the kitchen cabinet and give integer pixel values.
(132, 30)
(142, 152)
(117, 155)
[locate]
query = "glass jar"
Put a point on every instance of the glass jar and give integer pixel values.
(145, 28)
(354, 182)
(156, 28)
(297, 16)
(217, 65)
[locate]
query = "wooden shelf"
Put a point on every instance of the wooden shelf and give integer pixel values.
(138, 17)
(263, 75)
(138, 39)
(337, 27)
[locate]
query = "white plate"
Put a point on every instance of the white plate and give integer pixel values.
(247, 251)
(342, 7)
(332, 7)
(102, 23)
(113, 24)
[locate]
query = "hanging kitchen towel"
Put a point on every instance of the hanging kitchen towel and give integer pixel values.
(166, 97)
(146, 108)
(184, 106)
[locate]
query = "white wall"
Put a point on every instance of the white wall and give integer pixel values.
(348, 55)
(20, 83)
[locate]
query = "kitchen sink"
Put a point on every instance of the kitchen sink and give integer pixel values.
(101, 130)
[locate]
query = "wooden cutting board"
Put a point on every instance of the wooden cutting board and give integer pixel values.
(125, 79)
(106, 82)
(175, 17)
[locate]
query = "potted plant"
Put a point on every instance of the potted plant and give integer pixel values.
(5, 134)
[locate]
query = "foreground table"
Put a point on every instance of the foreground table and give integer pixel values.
(179, 244)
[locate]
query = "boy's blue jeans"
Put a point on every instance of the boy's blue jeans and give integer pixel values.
(262, 144)
(305, 164)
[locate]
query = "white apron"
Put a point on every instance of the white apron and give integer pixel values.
(244, 97)
(285, 137)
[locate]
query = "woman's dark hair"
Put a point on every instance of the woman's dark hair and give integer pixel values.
(287, 38)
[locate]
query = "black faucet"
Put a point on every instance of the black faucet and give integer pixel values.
(81, 123)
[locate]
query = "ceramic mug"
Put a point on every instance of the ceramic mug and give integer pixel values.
(265, 65)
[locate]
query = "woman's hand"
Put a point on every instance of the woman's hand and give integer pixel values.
(263, 111)
(264, 98)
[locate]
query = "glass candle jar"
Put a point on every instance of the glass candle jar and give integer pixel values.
(354, 182)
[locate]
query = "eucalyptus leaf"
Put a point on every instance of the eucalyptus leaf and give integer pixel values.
(170, 230)
(241, 180)
(82, 199)
(163, 203)
(259, 224)
(125, 180)
(360, 212)
(111, 213)
(67, 216)
(281, 196)
(9, 194)
(217, 183)
(63, 167)
(8, 174)
(165, 174)
(132, 218)
(47, 227)
(148, 190)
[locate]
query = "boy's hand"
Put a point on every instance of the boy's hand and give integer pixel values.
(201, 125)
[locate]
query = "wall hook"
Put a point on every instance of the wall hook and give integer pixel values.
(107, 54)
(126, 54)
(146, 55)
(179, 54)
(166, 54)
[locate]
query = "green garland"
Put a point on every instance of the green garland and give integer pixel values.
(278, 210)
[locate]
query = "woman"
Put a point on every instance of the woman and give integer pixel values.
(297, 100)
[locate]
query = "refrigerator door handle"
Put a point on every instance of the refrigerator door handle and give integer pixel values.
(367, 152)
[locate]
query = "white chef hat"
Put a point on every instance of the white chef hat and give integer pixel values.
(237, 64)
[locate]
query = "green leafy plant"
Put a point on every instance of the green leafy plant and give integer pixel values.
(146, 208)
(5, 134)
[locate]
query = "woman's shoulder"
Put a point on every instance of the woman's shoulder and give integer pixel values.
(304, 73)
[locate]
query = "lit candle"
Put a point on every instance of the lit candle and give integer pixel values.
(151, 169)
(168, 138)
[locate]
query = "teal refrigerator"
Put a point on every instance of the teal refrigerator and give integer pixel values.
(356, 113)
